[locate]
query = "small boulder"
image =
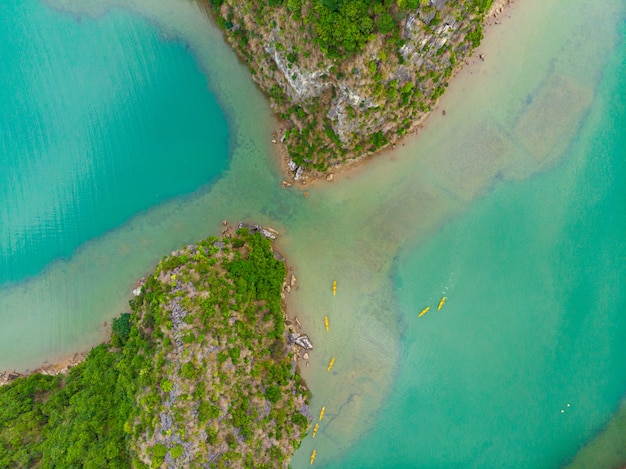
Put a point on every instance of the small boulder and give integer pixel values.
(301, 341)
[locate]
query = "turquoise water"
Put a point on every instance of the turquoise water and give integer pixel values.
(99, 119)
(525, 362)
(533, 324)
(113, 136)
(513, 205)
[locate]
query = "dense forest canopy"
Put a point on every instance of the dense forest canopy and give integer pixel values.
(199, 372)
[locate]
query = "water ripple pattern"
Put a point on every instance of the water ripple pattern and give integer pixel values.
(99, 119)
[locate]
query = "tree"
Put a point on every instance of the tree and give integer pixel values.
(120, 330)
(273, 394)
(385, 23)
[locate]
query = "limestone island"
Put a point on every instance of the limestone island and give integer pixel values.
(350, 77)
(200, 374)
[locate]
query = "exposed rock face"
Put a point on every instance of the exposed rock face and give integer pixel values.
(338, 108)
(301, 341)
(268, 233)
(343, 124)
(212, 371)
(302, 83)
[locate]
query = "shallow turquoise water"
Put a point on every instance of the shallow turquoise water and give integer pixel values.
(513, 205)
(100, 118)
(534, 322)
(525, 361)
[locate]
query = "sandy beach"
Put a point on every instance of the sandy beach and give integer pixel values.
(63, 365)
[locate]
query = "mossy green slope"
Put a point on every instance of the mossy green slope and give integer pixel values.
(199, 374)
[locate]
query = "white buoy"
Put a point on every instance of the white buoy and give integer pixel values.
(568, 404)
(562, 411)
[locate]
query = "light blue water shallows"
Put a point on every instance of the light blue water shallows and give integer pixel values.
(527, 358)
(100, 118)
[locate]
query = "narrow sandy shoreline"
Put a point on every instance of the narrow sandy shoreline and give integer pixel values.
(51, 369)
(498, 9)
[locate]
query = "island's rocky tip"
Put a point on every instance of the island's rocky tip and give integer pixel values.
(343, 93)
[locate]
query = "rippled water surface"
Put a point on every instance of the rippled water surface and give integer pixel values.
(100, 119)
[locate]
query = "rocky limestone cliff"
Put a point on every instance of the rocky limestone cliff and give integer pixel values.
(339, 105)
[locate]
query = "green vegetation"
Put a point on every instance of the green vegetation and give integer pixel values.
(199, 372)
(344, 27)
(339, 71)
(76, 420)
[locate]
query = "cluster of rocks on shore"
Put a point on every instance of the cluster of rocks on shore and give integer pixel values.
(302, 341)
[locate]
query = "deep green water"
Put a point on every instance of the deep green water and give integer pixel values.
(513, 205)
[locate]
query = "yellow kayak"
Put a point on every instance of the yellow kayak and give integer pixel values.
(443, 300)
(315, 428)
(326, 322)
(424, 311)
(322, 412)
(313, 456)
(332, 362)
(335, 287)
